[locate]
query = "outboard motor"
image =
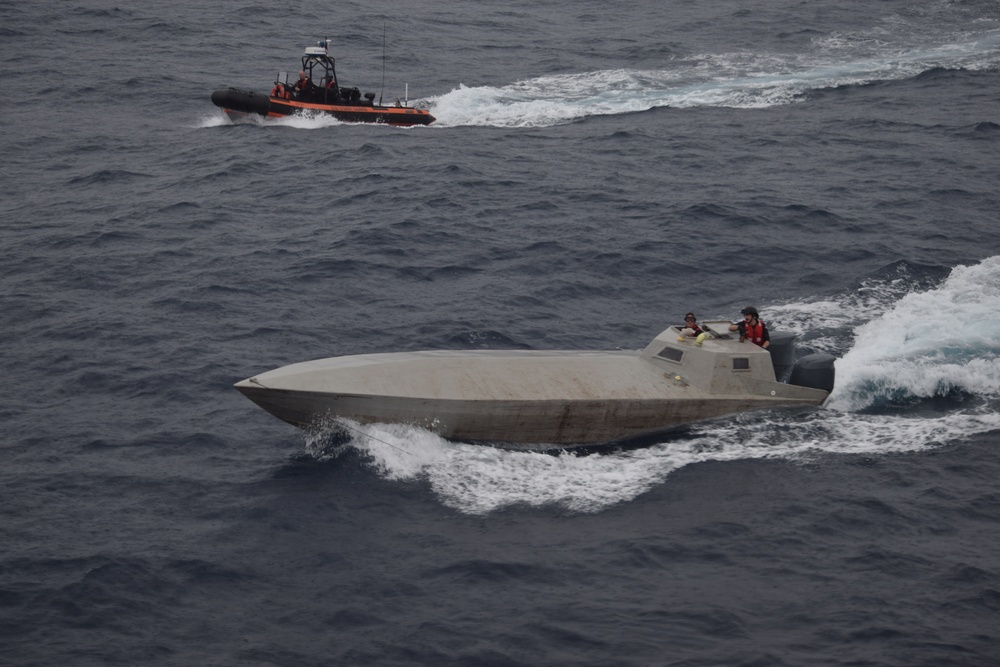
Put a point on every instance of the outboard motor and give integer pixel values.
(350, 94)
(782, 349)
(815, 371)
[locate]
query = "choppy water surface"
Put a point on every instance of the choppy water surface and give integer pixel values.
(595, 172)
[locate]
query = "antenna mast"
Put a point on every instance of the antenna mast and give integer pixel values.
(383, 63)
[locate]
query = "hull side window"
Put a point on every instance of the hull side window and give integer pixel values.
(671, 353)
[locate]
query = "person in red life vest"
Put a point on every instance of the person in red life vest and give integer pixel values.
(752, 329)
(303, 86)
(691, 327)
(333, 91)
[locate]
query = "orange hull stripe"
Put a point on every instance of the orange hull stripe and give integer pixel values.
(400, 111)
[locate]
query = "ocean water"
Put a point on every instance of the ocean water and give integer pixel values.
(595, 172)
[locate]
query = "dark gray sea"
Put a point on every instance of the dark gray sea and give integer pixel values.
(597, 169)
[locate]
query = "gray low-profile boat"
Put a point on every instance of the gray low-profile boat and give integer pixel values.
(543, 399)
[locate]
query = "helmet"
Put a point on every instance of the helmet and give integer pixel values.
(750, 310)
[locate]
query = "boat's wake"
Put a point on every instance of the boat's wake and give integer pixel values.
(928, 344)
(477, 480)
(737, 80)
(299, 121)
(891, 360)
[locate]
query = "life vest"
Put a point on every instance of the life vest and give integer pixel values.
(754, 334)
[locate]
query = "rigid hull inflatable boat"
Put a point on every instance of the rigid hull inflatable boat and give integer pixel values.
(318, 92)
(547, 399)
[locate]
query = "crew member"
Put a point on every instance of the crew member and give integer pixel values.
(691, 327)
(752, 328)
(304, 85)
